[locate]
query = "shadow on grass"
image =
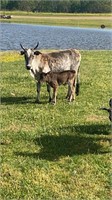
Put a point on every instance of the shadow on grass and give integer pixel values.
(53, 147)
(20, 100)
(16, 100)
(90, 129)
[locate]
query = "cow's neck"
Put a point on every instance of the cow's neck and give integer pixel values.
(36, 63)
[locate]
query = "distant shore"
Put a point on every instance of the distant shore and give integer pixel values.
(60, 19)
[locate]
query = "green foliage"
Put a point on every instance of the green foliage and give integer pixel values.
(26, 5)
(95, 6)
(56, 152)
(68, 6)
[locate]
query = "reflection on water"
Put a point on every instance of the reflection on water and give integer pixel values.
(54, 37)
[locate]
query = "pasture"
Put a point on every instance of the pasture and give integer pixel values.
(60, 19)
(57, 152)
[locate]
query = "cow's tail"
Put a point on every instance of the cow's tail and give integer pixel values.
(77, 82)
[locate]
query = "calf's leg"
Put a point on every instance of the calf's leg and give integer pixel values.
(71, 91)
(38, 91)
(67, 96)
(53, 101)
(49, 91)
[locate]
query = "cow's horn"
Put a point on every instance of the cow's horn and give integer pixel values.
(36, 45)
(22, 47)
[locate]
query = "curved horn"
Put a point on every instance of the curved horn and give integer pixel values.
(36, 45)
(22, 47)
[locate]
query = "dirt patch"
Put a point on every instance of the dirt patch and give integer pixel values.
(66, 17)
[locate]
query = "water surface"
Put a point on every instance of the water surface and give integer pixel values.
(54, 37)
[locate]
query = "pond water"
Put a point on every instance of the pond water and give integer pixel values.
(54, 37)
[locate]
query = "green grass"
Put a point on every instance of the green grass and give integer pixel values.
(60, 19)
(91, 23)
(57, 152)
(25, 13)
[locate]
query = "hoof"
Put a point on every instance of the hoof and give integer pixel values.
(50, 100)
(37, 101)
(70, 100)
(53, 102)
(67, 97)
(77, 93)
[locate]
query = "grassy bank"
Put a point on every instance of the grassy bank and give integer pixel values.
(60, 19)
(55, 152)
(25, 13)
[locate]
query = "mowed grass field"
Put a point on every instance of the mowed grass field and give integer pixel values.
(60, 19)
(57, 152)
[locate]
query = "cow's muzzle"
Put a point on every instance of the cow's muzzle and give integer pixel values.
(28, 67)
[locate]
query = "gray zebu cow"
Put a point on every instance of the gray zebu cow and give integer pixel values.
(37, 62)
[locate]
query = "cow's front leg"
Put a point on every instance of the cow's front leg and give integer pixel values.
(49, 91)
(38, 91)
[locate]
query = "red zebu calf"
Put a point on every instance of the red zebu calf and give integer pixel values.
(54, 79)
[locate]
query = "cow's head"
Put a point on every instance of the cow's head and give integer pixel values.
(29, 55)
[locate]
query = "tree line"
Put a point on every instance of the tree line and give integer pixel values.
(67, 6)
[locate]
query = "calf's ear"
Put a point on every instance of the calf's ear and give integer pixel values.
(37, 52)
(21, 52)
(42, 75)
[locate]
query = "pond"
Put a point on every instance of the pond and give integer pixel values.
(54, 37)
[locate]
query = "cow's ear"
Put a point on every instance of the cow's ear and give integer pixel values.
(37, 52)
(21, 52)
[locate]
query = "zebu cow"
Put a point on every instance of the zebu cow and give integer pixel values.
(37, 62)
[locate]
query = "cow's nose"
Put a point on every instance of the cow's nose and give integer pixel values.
(28, 67)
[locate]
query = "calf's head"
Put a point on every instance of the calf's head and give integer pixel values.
(44, 76)
(29, 55)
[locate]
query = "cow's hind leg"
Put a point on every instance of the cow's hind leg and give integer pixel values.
(38, 91)
(77, 84)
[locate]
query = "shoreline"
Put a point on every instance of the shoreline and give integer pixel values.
(60, 19)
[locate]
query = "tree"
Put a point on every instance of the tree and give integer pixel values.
(4, 4)
(12, 5)
(71, 6)
(96, 6)
(75, 6)
(26, 5)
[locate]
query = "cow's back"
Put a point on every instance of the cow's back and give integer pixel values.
(64, 60)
